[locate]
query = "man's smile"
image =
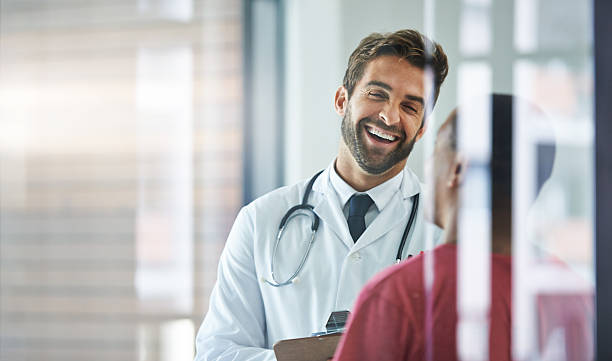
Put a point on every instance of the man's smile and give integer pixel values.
(378, 135)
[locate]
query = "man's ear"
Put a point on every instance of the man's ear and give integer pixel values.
(421, 131)
(341, 101)
(459, 169)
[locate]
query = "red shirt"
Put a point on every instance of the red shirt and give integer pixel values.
(388, 321)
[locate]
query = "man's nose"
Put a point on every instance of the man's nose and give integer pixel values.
(390, 114)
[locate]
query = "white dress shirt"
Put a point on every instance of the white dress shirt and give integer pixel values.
(381, 194)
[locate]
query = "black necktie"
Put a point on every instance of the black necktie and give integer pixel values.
(358, 206)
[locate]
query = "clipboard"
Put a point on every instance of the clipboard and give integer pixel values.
(315, 348)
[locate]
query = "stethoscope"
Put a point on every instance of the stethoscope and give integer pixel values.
(307, 210)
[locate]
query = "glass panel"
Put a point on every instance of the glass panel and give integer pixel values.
(540, 52)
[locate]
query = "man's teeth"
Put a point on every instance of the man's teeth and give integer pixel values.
(382, 135)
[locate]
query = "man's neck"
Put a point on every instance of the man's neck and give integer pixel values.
(450, 225)
(500, 244)
(348, 169)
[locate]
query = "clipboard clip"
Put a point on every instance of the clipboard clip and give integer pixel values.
(335, 324)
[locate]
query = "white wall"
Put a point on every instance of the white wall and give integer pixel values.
(314, 71)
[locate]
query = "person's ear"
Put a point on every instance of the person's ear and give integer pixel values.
(458, 171)
(341, 101)
(421, 131)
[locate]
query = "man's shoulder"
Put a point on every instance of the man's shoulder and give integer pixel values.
(408, 275)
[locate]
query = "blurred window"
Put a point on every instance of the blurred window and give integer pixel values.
(121, 149)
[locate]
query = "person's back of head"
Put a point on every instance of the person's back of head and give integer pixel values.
(506, 114)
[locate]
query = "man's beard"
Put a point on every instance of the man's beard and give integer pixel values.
(353, 137)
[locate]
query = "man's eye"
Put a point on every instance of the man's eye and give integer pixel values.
(410, 109)
(376, 95)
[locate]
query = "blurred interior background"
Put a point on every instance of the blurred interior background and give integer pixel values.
(131, 132)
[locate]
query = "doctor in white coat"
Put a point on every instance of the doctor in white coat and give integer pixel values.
(386, 95)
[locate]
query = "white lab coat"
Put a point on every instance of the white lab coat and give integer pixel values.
(246, 317)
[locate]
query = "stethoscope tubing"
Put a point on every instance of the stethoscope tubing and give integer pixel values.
(415, 205)
(276, 282)
(281, 229)
(314, 227)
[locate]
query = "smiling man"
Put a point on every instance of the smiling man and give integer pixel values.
(383, 116)
(303, 251)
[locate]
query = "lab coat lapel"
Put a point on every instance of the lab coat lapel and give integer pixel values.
(326, 207)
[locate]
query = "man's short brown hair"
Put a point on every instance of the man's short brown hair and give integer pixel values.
(410, 45)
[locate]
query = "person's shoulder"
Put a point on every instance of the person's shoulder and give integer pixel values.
(398, 277)
(407, 275)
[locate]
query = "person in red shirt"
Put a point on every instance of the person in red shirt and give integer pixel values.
(395, 318)
(391, 319)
